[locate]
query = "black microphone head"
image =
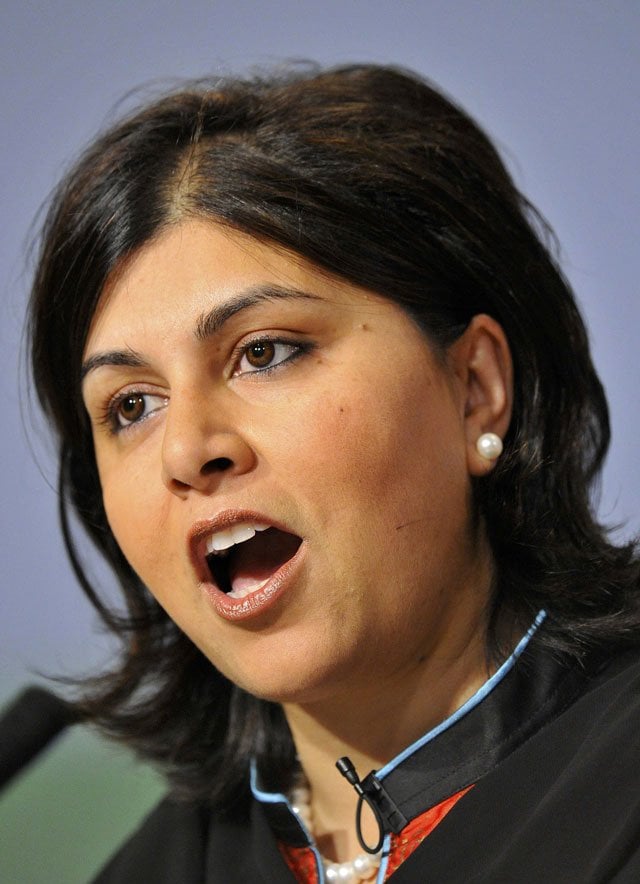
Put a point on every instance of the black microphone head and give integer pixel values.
(30, 722)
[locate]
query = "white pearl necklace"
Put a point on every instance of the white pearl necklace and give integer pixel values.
(362, 868)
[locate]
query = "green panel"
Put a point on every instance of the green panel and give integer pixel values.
(67, 813)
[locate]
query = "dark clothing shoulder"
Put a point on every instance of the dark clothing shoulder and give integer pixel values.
(169, 847)
(559, 806)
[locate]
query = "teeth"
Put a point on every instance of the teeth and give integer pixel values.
(240, 533)
(228, 537)
(248, 589)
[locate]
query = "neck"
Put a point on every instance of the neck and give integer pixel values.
(371, 723)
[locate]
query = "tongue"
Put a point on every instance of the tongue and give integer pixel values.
(255, 561)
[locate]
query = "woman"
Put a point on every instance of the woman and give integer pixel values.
(326, 405)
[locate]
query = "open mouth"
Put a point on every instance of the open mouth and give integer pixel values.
(251, 558)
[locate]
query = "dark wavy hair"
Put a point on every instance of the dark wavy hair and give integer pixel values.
(371, 173)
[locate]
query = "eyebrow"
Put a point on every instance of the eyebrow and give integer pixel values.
(112, 357)
(207, 324)
(211, 322)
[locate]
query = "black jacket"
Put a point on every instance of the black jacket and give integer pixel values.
(553, 750)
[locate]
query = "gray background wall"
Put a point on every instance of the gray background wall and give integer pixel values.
(554, 81)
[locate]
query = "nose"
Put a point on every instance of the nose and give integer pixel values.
(198, 450)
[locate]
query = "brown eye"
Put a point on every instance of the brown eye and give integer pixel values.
(260, 354)
(130, 409)
(264, 355)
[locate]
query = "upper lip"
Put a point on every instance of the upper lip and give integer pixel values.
(203, 528)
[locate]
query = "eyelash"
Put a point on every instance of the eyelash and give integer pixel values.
(297, 348)
(111, 419)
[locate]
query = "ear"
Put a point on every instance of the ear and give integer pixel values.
(481, 363)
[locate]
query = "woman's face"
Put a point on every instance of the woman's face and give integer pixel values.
(242, 399)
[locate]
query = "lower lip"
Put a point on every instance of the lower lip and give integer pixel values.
(263, 599)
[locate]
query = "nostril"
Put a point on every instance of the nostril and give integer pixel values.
(217, 465)
(198, 458)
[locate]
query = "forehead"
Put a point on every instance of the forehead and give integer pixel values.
(193, 265)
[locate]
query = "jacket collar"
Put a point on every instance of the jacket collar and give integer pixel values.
(527, 691)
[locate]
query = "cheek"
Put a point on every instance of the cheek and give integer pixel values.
(377, 447)
(324, 446)
(136, 519)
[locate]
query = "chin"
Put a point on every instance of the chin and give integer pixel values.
(294, 681)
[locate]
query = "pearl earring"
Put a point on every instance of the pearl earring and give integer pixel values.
(489, 446)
